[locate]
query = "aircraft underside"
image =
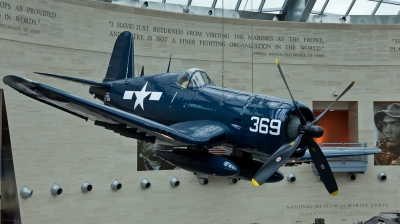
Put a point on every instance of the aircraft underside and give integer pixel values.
(207, 164)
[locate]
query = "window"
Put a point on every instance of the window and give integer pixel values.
(207, 79)
(194, 77)
(183, 79)
(197, 80)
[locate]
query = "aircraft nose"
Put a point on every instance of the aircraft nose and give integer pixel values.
(314, 131)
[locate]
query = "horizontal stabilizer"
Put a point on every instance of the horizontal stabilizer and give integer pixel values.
(78, 80)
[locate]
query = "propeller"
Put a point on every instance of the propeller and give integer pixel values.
(275, 161)
(302, 120)
(307, 131)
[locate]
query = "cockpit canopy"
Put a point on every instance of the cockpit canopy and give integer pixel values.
(194, 77)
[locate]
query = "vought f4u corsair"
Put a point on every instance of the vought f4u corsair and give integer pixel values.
(189, 113)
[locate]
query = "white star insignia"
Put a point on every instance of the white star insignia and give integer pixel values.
(140, 95)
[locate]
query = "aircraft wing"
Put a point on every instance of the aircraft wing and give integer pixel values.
(332, 152)
(202, 133)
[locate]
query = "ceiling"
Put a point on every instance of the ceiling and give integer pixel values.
(321, 7)
(287, 10)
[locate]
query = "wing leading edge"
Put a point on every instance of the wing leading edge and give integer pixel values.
(199, 133)
(77, 80)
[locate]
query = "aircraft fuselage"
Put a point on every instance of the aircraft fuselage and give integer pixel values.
(256, 123)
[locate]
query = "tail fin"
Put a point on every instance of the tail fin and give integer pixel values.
(121, 62)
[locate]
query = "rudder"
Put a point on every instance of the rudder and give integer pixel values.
(121, 58)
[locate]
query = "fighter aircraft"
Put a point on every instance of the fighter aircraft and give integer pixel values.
(188, 112)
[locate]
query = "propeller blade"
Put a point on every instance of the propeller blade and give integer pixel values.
(275, 162)
(326, 110)
(323, 168)
(302, 120)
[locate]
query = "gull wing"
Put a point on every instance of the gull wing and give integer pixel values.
(202, 133)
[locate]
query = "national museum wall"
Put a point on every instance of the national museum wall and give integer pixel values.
(75, 38)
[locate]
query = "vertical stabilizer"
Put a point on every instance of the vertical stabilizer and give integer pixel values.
(121, 58)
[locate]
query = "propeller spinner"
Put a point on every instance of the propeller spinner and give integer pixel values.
(307, 131)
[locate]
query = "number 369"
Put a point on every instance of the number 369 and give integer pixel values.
(265, 126)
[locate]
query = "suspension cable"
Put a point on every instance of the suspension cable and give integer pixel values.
(223, 54)
(252, 49)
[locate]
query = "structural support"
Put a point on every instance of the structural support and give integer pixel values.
(214, 4)
(261, 5)
(323, 7)
(10, 212)
(299, 10)
(350, 7)
(238, 5)
(376, 8)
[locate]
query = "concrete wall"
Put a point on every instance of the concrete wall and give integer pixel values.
(75, 38)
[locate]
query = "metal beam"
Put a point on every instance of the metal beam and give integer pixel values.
(391, 2)
(238, 5)
(350, 7)
(261, 5)
(376, 8)
(214, 4)
(189, 3)
(299, 10)
(323, 7)
(245, 5)
(272, 9)
(285, 7)
(326, 13)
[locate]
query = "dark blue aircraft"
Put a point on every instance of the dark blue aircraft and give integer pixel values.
(188, 112)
